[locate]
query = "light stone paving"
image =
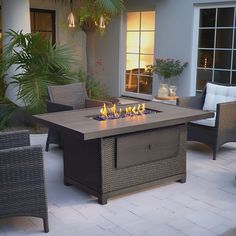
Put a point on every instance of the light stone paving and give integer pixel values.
(204, 206)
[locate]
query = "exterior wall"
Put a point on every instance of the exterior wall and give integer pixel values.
(10, 20)
(174, 39)
(107, 59)
(175, 25)
(64, 35)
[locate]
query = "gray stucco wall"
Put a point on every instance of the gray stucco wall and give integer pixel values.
(107, 57)
(174, 36)
(75, 38)
(174, 39)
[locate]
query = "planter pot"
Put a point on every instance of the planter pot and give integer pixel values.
(163, 90)
(172, 90)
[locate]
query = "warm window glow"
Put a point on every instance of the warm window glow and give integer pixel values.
(132, 21)
(147, 43)
(132, 42)
(132, 61)
(140, 37)
(148, 20)
(146, 60)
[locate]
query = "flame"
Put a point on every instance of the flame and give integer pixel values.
(112, 112)
(103, 111)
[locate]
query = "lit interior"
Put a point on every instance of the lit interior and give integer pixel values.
(140, 38)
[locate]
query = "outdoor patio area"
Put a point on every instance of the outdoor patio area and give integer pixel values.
(204, 205)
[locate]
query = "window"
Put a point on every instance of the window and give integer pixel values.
(140, 33)
(43, 21)
(216, 46)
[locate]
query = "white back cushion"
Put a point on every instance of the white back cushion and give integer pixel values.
(218, 94)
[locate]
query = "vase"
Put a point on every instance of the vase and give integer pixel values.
(172, 90)
(163, 90)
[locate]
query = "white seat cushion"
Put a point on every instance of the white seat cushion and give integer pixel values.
(207, 122)
(218, 94)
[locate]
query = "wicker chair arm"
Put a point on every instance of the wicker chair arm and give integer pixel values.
(55, 107)
(226, 116)
(27, 159)
(192, 102)
(95, 103)
(14, 139)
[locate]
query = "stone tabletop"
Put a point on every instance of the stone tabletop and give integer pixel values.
(80, 122)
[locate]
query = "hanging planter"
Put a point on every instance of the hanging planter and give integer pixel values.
(88, 24)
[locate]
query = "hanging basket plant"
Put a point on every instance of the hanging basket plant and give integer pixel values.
(88, 24)
(96, 14)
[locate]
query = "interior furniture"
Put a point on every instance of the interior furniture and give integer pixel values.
(67, 97)
(111, 157)
(22, 188)
(214, 132)
(138, 77)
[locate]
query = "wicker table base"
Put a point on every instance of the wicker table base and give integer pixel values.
(115, 165)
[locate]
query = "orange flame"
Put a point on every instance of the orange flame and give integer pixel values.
(103, 111)
(129, 111)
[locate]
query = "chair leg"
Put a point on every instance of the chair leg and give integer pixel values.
(45, 225)
(47, 142)
(214, 154)
(47, 147)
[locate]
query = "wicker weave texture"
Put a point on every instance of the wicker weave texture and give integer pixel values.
(22, 181)
(114, 179)
(69, 94)
(14, 139)
(224, 130)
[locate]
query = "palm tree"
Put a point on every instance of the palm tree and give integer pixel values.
(93, 16)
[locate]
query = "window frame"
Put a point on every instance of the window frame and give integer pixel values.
(196, 48)
(53, 16)
(124, 53)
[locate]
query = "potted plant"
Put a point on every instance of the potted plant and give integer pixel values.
(167, 69)
(39, 64)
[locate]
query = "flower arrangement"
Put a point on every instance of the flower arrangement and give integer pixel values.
(168, 68)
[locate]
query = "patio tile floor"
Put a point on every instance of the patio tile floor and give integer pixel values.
(204, 205)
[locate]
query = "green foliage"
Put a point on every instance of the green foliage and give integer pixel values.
(7, 108)
(4, 65)
(94, 88)
(110, 7)
(168, 68)
(38, 65)
(90, 12)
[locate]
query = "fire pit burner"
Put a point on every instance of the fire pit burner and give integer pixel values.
(112, 113)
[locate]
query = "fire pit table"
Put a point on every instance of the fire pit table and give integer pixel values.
(116, 156)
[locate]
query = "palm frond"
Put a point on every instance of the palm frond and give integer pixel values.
(112, 7)
(38, 65)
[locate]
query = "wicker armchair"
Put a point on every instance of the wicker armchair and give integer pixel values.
(64, 98)
(223, 129)
(22, 191)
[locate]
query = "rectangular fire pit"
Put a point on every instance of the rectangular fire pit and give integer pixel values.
(111, 157)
